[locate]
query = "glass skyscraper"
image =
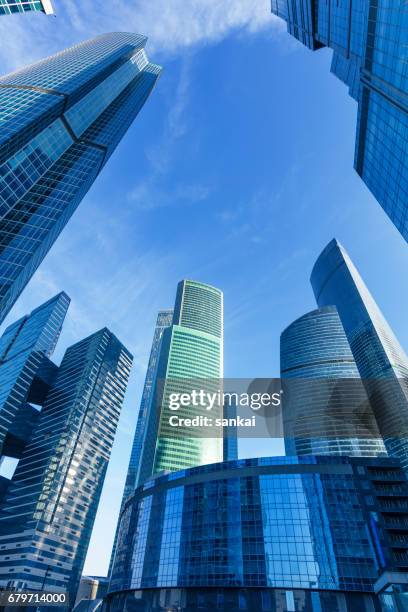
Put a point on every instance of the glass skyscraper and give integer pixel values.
(191, 357)
(61, 119)
(164, 320)
(24, 347)
(325, 406)
(279, 534)
(230, 433)
(9, 7)
(380, 359)
(48, 507)
(369, 40)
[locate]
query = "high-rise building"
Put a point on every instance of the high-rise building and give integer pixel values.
(325, 406)
(48, 508)
(293, 534)
(164, 320)
(24, 349)
(230, 433)
(380, 359)
(369, 40)
(191, 358)
(9, 7)
(61, 120)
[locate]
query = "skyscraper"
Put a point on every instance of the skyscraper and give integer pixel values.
(369, 40)
(230, 433)
(49, 506)
(164, 320)
(24, 348)
(191, 356)
(325, 406)
(381, 361)
(9, 7)
(61, 120)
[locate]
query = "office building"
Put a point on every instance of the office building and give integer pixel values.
(61, 120)
(230, 433)
(25, 347)
(164, 320)
(311, 534)
(324, 404)
(191, 358)
(10, 7)
(380, 359)
(369, 40)
(48, 507)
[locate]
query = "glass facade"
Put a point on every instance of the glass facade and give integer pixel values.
(325, 406)
(164, 320)
(49, 505)
(24, 346)
(369, 40)
(263, 534)
(230, 433)
(61, 119)
(191, 354)
(380, 359)
(9, 7)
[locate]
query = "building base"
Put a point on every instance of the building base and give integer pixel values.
(236, 600)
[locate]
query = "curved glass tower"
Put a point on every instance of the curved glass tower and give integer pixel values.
(380, 359)
(273, 534)
(61, 119)
(325, 406)
(191, 357)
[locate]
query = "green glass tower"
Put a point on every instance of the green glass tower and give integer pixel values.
(191, 357)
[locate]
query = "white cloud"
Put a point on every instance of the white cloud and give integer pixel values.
(171, 25)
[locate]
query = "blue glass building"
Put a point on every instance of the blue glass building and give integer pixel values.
(25, 347)
(380, 359)
(266, 534)
(230, 433)
(10, 7)
(61, 119)
(369, 39)
(164, 320)
(325, 406)
(48, 507)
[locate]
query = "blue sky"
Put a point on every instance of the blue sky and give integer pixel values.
(237, 172)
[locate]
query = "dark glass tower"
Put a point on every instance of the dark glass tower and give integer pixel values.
(381, 361)
(164, 320)
(48, 509)
(10, 7)
(369, 39)
(325, 405)
(61, 119)
(24, 349)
